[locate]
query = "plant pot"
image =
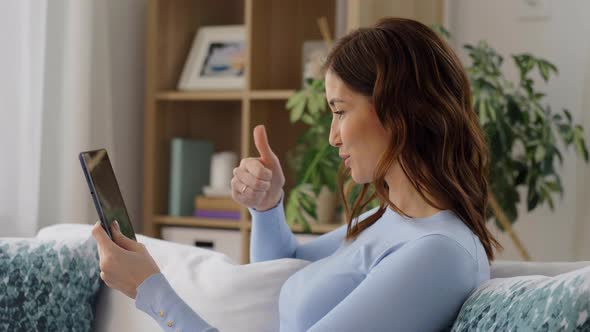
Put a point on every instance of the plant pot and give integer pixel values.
(326, 206)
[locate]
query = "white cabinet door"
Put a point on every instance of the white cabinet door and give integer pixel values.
(224, 241)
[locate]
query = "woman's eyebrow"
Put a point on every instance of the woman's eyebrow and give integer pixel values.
(336, 100)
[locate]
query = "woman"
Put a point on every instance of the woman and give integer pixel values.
(403, 124)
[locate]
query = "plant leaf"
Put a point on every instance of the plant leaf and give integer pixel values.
(295, 99)
(297, 112)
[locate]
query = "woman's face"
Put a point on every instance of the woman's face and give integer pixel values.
(355, 130)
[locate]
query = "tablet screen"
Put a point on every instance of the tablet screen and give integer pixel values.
(105, 190)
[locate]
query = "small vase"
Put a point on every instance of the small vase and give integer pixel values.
(326, 206)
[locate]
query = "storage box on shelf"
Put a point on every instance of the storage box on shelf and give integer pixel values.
(225, 241)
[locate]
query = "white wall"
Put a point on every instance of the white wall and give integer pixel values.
(562, 37)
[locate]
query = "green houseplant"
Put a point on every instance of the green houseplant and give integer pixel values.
(314, 161)
(523, 134)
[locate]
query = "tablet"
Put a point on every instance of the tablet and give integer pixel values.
(105, 191)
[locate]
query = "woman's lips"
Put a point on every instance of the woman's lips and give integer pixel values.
(345, 158)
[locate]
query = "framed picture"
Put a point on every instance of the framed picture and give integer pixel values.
(216, 59)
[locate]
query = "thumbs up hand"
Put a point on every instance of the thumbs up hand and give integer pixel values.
(258, 182)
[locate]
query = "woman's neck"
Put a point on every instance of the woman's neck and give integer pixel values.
(405, 196)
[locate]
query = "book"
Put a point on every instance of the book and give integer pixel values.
(216, 203)
(190, 163)
(217, 214)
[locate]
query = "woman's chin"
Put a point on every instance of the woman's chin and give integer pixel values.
(357, 178)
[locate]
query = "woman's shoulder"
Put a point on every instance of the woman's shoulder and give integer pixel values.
(393, 232)
(444, 223)
(453, 228)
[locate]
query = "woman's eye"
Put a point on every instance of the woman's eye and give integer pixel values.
(339, 113)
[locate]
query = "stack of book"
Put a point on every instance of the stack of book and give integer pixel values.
(216, 208)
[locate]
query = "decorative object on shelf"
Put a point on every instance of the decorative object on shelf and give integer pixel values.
(216, 208)
(216, 59)
(190, 162)
(314, 55)
(216, 203)
(222, 165)
(326, 202)
(214, 214)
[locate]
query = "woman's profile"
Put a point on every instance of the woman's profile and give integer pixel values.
(404, 126)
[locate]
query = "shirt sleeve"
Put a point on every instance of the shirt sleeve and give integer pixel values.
(156, 298)
(420, 287)
(272, 238)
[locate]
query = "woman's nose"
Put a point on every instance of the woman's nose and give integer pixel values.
(334, 136)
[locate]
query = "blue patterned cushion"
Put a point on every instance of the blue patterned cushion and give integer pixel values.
(529, 303)
(48, 285)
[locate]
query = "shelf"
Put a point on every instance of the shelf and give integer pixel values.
(172, 95)
(163, 220)
(200, 95)
(315, 228)
(271, 94)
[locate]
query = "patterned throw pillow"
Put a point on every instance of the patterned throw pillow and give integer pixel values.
(529, 303)
(48, 285)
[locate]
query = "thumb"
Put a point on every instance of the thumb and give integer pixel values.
(101, 236)
(120, 239)
(261, 141)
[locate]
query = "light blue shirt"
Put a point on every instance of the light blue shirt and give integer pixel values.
(399, 275)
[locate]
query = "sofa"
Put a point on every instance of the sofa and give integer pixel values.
(523, 296)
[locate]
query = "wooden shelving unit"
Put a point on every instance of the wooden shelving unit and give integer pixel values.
(275, 32)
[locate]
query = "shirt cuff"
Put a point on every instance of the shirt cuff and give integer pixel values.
(271, 237)
(156, 297)
(254, 212)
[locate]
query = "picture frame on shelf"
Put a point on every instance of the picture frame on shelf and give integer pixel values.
(216, 59)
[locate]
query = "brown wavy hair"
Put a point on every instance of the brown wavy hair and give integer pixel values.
(421, 93)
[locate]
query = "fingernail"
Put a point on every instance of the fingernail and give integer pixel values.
(117, 225)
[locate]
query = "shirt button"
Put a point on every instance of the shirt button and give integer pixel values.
(161, 313)
(170, 323)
